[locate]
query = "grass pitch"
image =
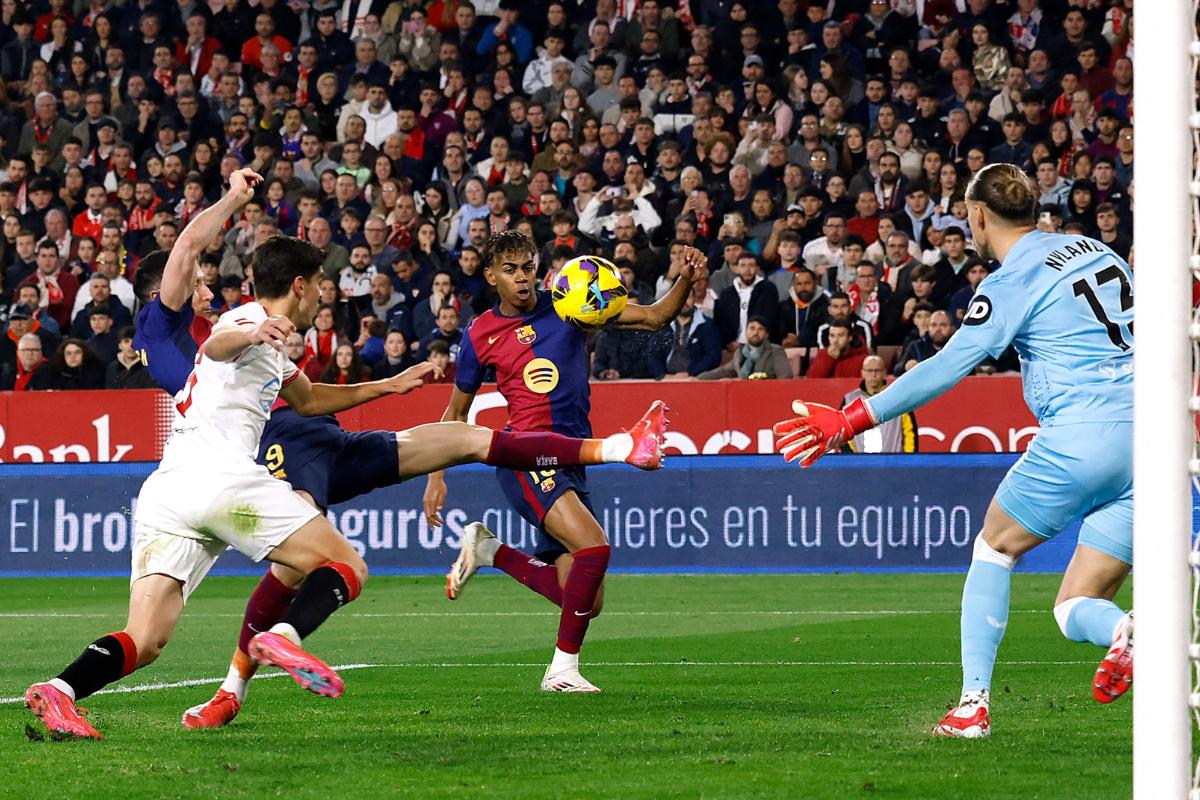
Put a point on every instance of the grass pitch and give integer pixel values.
(714, 686)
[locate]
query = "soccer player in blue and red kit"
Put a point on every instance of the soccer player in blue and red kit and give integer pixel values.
(323, 463)
(541, 367)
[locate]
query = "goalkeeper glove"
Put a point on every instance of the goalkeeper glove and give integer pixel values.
(817, 429)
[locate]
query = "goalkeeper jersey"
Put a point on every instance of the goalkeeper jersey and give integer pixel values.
(1066, 304)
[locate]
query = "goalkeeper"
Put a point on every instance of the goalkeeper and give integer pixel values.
(1066, 304)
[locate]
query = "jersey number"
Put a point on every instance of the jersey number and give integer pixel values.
(1084, 289)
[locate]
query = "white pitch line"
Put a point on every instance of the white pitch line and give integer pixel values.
(401, 614)
(154, 687)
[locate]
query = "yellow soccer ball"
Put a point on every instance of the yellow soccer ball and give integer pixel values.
(588, 292)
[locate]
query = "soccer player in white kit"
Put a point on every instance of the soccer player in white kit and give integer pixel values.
(209, 494)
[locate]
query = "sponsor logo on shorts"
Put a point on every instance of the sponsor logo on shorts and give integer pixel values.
(979, 312)
(525, 334)
(541, 376)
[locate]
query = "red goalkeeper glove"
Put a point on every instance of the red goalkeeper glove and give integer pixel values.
(817, 429)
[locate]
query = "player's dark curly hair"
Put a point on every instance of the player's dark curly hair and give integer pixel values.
(280, 260)
(1004, 189)
(504, 243)
(149, 275)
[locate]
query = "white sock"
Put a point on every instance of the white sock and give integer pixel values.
(287, 632)
(616, 448)
(973, 698)
(485, 550)
(236, 684)
(563, 661)
(63, 687)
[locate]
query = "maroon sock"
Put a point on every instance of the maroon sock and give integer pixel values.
(579, 595)
(537, 575)
(266, 607)
(518, 450)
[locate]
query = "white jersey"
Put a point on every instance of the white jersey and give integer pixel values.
(222, 408)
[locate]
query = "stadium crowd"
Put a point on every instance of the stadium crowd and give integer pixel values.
(818, 151)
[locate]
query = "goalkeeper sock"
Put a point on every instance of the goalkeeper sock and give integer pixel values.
(1089, 619)
(984, 613)
(536, 574)
(104, 661)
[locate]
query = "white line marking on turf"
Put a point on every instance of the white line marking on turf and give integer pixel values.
(398, 614)
(154, 687)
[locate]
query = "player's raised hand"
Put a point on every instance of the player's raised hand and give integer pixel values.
(695, 265)
(243, 182)
(412, 378)
(817, 429)
(273, 331)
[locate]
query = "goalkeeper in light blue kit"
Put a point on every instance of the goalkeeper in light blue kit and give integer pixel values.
(1066, 304)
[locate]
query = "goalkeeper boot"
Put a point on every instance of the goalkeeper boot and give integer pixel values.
(970, 720)
(477, 548)
(1114, 676)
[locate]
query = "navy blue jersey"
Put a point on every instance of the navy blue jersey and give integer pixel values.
(163, 340)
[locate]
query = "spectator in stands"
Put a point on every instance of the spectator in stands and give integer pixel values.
(103, 341)
(58, 287)
(694, 345)
(1107, 223)
(840, 310)
(447, 330)
(804, 310)
(751, 295)
(837, 359)
(941, 328)
(897, 435)
(755, 359)
(127, 371)
(29, 294)
(826, 251)
(75, 366)
(397, 356)
(346, 367)
(29, 371)
(20, 322)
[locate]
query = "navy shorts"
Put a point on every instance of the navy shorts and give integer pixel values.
(315, 455)
(533, 493)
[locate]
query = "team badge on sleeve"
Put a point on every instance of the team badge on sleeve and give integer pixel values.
(979, 312)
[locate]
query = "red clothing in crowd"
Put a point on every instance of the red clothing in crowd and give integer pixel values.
(848, 366)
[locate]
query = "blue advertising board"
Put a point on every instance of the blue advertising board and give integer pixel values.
(734, 514)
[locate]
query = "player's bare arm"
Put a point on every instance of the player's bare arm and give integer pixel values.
(179, 276)
(658, 315)
(314, 399)
(435, 487)
(228, 345)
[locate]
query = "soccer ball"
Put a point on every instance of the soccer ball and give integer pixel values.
(588, 292)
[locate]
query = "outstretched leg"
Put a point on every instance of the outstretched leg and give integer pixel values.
(984, 618)
(155, 603)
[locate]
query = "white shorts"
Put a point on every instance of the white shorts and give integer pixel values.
(187, 515)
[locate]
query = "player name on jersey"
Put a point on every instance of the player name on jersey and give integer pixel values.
(1056, 258)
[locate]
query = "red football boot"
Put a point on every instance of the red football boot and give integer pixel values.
(969, 721)
(57, 711)
(1114, 676)
(648, 434)
(307, 670)
(216, 712)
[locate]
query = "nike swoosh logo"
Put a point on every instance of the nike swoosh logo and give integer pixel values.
(252, 628)
(997, 624)
(582, 613)
(492, 339)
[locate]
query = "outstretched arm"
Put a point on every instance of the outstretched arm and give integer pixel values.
(659, 315)
(179, 276)
(313, 399)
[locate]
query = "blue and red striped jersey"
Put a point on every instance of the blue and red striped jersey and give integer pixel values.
(541, 366)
